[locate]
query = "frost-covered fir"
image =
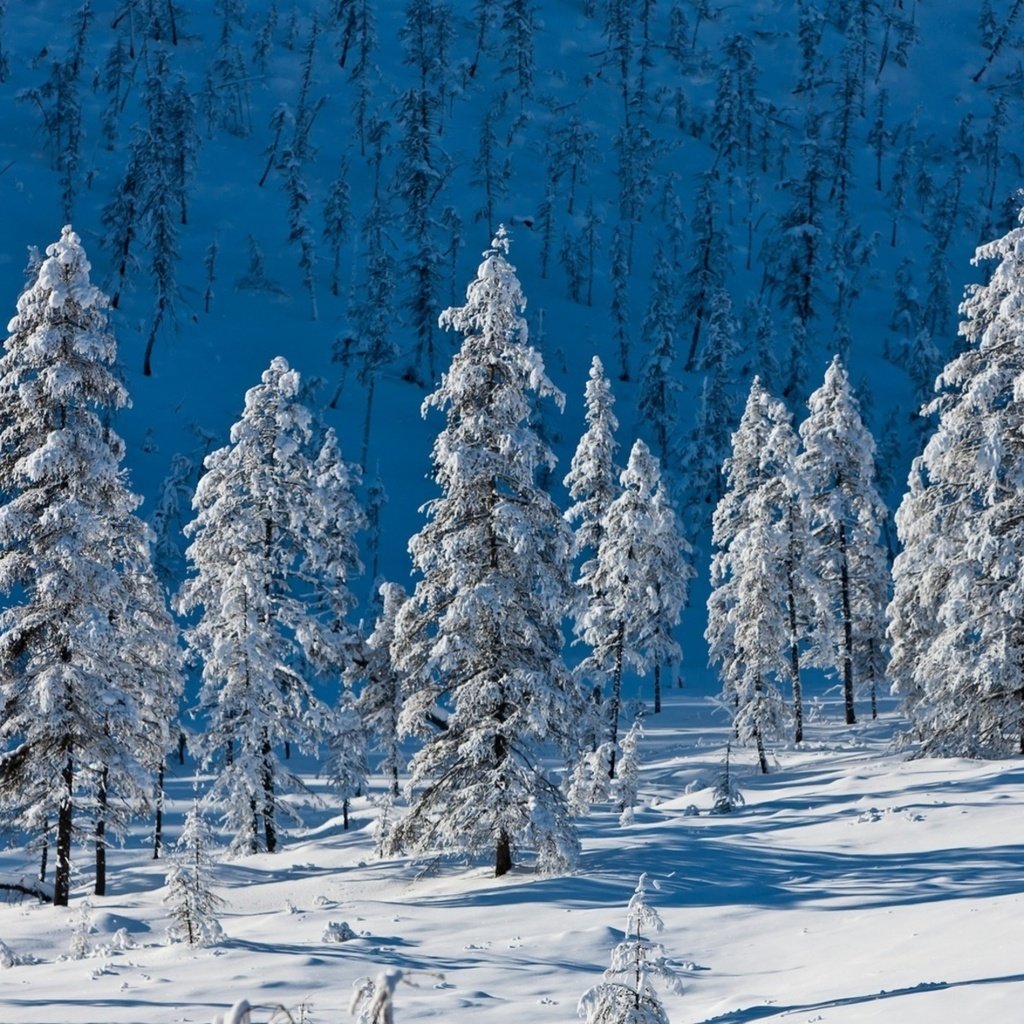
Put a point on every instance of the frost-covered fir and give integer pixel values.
(954, 619)
(191, 903)
(625, 581)
(593, 476)
(628, 994)
(480, 638)
(270, 554)
(90, 671)
(761, 586)
(380, 696)
(845, 514)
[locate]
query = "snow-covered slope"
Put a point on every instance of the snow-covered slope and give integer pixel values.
(853, 886)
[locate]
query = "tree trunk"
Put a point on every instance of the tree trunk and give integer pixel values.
(794, 662)
(100, 887)
(657, 687)
(45, 852)
(269, 824)
(851, 716)
(503, 855)
(344, 814)
(158, 827)
(62, 874)
(615, 702)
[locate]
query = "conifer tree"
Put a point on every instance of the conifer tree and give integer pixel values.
(592, 476)
(480, 637)
(381, 694)
(265, 549)
(90, 676)
(191, 902)
(627, 586)
(953, 620)
(628, 994)
(845, 514)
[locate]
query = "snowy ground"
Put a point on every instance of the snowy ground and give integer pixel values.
(855, 886)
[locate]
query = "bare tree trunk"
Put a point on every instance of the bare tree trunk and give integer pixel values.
(269, 824)
(158, 827)
(62, 875)
(100, 886)
(851, 716)
(503, 855)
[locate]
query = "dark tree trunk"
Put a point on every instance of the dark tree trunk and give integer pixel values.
(269, 824)
(794, 663)
(851, 716)
(657, 687)
(158, 827)
(615, 701)
(100, 887)
(62, 875)
(44, 852)
(344, 814)
(503, 855)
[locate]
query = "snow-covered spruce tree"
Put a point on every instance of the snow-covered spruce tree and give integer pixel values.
(380, 696)
(481, 635)
(617, 624)
(726, 795)
(592, 479)
(845, 514)
(628, 994)
(346, 768)
(670, 564)
(954, 620)
(762, 506)
(191, 902)
(90, 675)
(626, 784)
(266, 566)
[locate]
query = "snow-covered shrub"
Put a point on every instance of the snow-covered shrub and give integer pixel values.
(338, 931)
(372, 998)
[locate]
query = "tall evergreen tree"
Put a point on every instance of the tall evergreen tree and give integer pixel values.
(957, 657)
(89, 675)
(626, 584)
(481, 635)
(760, 580)
(263, 552)
(845, 514)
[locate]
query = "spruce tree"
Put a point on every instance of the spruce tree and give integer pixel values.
(845, 514)
(90, 675)
(266, 567)
(954, 617)
(480, 637)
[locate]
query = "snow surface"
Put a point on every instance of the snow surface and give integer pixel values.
(854, 886)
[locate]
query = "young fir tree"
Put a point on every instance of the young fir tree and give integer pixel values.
(627, 779)
(264, 551)
(191, 902)
(628, 994)
(381, 694)
(623, 581)
(90, 675)
(953, 620)
(845, 515)
(480, 637)
(346, 768)
(592, 477)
